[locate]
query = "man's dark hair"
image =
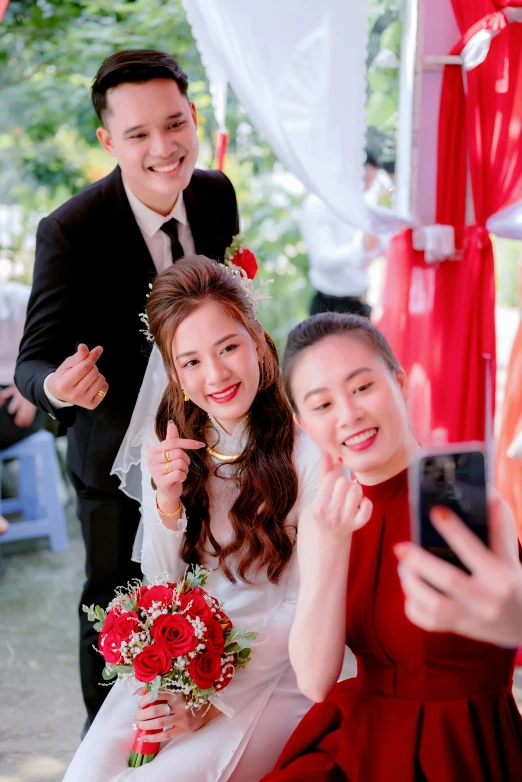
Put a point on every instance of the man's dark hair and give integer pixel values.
(371, 159)
(134, 66)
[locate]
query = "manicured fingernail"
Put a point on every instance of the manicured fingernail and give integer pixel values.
(440, 514)
(400, 550)
(401, 570)
(202, 445)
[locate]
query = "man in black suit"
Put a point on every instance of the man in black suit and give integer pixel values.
(82, 357)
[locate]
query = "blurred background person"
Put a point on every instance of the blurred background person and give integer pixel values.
(338, 253)
(18, 417)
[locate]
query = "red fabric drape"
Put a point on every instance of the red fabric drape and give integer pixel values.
(440, 318)
(3, 7)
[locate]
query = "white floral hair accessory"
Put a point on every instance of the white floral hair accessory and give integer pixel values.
(143, 317)
(236, 251)
(254, 294)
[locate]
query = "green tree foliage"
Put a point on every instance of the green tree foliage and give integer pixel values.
(49, 53)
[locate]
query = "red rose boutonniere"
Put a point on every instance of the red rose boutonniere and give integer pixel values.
(239, 255)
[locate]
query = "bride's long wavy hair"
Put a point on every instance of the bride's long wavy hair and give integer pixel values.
(266, 477)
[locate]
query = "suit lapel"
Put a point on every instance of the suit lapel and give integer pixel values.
(200, 230)
(130, 244)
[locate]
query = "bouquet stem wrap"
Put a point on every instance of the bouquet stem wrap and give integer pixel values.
(143, 751)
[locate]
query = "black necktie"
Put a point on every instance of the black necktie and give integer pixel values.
(171, 229)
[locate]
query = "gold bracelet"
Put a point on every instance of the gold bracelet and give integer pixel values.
(162, 513)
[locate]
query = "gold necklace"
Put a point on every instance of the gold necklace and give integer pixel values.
(227, 458)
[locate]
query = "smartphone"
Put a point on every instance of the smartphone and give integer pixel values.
(454, 476)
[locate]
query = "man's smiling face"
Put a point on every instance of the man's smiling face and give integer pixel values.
(150, 128)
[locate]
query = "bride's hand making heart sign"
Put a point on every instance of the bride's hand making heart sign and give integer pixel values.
(169, 464)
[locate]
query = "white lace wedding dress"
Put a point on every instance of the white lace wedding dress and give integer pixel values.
(262, 705)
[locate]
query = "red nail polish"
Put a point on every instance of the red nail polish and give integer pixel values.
(441, 514)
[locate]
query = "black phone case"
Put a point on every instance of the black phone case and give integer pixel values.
(454, 479)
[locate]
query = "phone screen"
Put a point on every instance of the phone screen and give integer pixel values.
(456, 480)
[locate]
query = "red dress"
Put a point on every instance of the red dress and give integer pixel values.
(424, 707)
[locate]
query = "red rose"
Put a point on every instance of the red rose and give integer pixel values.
(151, 662)
(227, 674)
(214, 638)
(159, 595)
(111, 617)
(246, 260)
(194, 604)
(122, 626)
(174, 634)
(205, 669)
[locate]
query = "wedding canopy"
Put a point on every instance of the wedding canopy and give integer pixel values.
(299, 69)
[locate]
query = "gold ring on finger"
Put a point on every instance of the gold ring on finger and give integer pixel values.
(101, 392)
(168, 468)
(166, 456)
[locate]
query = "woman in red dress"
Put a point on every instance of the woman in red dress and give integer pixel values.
(424, 707)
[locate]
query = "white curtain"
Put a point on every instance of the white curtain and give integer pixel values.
(299, 69)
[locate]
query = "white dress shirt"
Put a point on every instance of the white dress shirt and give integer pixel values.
(338, 261)
(158, 243)
(13, 307)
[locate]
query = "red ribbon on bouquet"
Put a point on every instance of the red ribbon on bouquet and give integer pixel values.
(144, 751)
(146, 747)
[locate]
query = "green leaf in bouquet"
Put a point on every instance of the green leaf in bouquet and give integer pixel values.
(231, 648)
(90, 611)
(196, 576)
(108, 673)
(154, 688)
(244, 653)
(123, 668)
(207, 693)
(98, 626)
(100, 614)
(251, 635)
(128, 605)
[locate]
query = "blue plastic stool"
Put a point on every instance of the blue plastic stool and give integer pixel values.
(38, 499)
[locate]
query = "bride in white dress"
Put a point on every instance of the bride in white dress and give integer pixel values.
(234, 507)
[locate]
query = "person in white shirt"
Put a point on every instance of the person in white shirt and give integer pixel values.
(338, 254)
(18, 417)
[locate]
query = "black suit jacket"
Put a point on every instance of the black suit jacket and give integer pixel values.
(91, 277)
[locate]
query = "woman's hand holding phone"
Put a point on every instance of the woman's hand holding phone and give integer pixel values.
(485, 604)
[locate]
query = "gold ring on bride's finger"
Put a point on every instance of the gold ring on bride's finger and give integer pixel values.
(101, 392)
(168, 468)
(166, 456)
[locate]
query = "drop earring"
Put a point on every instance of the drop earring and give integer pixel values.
(185, 396)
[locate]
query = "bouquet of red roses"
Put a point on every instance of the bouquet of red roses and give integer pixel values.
(173, 636)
